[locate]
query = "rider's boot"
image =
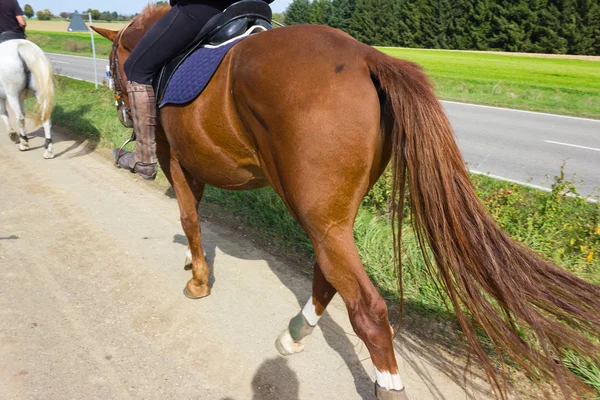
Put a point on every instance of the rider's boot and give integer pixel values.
(143, 112)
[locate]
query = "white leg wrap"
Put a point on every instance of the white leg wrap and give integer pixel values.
(310, 313)
(388, 381)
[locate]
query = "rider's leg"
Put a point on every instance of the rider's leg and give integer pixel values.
(171, 34)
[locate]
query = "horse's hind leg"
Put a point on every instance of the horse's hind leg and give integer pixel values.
(188, 195)
(4, 118)
(327, 213)
(18, 108)
(49, 153)
(291, 340)
(339, 259)
(47, 125)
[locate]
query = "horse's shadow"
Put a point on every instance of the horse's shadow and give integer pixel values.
(84, 142)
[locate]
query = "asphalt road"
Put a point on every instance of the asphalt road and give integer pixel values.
(91, 302)
(78, 67)
(513, 145)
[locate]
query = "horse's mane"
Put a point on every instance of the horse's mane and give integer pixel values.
(151, 11)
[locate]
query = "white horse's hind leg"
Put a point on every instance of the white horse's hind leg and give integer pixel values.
(49, 153)
(47, 134)
(18, 108)
(4, 118)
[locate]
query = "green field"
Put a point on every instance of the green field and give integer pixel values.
(70, 43)
(553, 85)
(562, 228)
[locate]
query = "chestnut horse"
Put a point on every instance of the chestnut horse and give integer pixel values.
(318, 116)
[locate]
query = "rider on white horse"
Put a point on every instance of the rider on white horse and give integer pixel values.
(12, 22)
(24, 71)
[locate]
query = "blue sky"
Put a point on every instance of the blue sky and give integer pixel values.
(120, 6)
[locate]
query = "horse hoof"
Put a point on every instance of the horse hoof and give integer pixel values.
(14, 136)
(385, 394)
(286, 345)
(197, 293)
(23, 147)
(48, 155)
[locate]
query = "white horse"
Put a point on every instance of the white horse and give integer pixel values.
(24, 72)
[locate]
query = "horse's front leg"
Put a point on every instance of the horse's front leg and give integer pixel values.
(189, 194)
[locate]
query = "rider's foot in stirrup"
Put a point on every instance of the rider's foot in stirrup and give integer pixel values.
(126, 160)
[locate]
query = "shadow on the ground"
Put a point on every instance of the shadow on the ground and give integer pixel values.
(85, 138)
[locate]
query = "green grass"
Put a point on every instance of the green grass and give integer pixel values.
(70, 43)
(560, 86)
(88, 112)
(563, 228)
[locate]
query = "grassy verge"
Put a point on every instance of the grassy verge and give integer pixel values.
(553, 85)
(563, 228)
(70, 43)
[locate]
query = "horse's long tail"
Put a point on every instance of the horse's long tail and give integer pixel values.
(41, 69)
(492, 282)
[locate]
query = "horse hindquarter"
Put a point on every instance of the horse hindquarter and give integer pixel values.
(315, 116)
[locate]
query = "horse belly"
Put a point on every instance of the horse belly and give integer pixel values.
(212, 151)
(224, 174)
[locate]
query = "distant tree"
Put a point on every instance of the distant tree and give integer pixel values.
(341, 13)
(162, 3)
(28, 11)
(278, 17)
(65, 15)
(375, 22)
(106, 16)
(45, 15)
(95, 14)
(319, 11)
(298, 12)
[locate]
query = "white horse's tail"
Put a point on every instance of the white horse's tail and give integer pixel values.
(41, 69)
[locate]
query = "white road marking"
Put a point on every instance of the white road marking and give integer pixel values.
(545, 189)
(69, 55)
(572, 145)
(520, 111)
(60, 62)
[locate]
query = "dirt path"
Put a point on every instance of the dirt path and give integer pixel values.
(91, 303)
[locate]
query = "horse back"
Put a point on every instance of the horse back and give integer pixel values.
(299, 94)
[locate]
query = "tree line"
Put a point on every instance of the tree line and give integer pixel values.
(538, 26)
(47, 15)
